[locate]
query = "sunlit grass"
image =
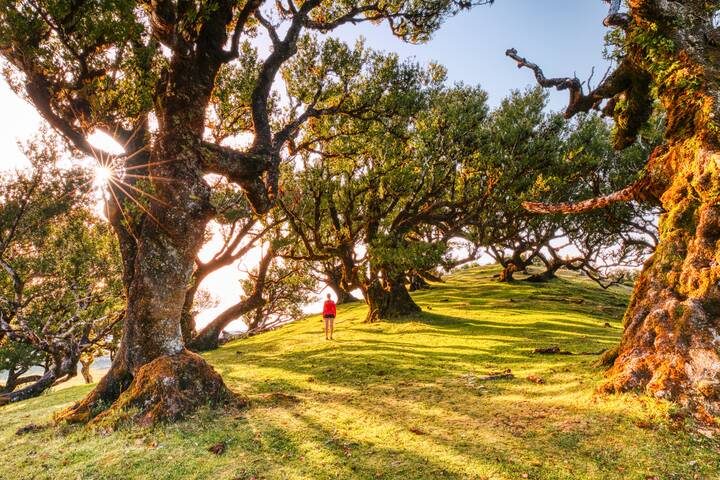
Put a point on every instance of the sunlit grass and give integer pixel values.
(400, 400)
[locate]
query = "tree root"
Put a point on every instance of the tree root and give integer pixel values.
(166, 389)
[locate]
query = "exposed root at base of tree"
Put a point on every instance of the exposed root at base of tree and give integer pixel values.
(166, 389)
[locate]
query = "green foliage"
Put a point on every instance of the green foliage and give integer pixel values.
(61, 278)
(287, 290)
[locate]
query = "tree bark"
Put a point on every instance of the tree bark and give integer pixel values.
(389, 299)
(671, 344)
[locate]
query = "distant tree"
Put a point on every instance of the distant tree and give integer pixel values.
(114, 66)
(288, 287)
(666, 54)
(539, 153)
(60, 282)
(373, 184)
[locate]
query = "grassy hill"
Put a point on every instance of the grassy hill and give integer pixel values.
(400, 400)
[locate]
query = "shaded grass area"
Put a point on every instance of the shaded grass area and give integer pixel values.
(400, 400)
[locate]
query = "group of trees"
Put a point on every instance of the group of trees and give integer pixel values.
(363, 171)
(377, 201)
(61, 295)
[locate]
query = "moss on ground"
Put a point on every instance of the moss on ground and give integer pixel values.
(400, 400)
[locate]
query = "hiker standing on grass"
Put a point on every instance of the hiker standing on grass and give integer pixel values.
(329, 316)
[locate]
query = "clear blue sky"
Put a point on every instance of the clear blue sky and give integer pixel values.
(562, 36)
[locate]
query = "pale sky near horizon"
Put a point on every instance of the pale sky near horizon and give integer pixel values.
(562, 36)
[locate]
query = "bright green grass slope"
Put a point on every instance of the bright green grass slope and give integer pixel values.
(399, 400)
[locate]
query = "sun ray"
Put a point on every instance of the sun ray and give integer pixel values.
(142, 192)
(152, 177)
(149, 164)
(127, 220)
(131, 155)
(139, 204)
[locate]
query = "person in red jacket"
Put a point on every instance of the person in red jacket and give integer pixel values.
(329, 316)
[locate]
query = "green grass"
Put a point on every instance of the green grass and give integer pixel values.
(399, 400)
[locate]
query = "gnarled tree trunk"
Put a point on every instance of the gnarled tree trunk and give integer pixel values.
(671, 344)
(161, 252)
(388, 299)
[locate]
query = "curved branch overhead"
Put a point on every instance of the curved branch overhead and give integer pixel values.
(627, 194)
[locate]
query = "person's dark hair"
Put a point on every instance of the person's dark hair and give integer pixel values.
(328, 296)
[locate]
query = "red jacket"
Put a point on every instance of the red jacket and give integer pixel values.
(329, 308)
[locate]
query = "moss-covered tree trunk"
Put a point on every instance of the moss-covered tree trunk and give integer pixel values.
(671, 344)
(388, 298)
(670, 52)
(152, 371)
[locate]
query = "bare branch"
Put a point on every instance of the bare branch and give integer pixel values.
(633, 192)
(614, 17)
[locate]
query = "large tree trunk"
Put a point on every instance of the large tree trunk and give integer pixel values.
(671, 344)
(334, 280)
(163, 254)
(388, 299)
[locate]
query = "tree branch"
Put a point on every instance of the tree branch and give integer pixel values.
(632, 192)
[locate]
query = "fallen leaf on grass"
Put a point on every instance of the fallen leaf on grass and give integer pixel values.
(417, 431)
(536, 379)
(218, 448)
